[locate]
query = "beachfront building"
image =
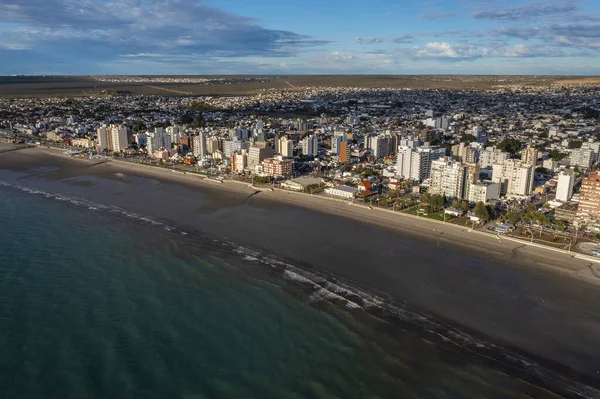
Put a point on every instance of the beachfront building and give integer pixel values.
(445, 178)
(199, 145)
(117, 138)
(564, 187)
(415, 163)
(112, 138)
(239, 161)
(310, 145)
(257, 154)
(342, 192)
(451, 178)
(82, 142)
(101, 138)
(588, 207)
(483, 192)
(236, 145)
(514, 177)
(158, 139)
(278, 166)
(301, 183)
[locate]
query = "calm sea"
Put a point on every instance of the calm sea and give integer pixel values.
(96, 303)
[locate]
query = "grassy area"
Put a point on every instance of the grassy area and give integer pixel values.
(434, 215)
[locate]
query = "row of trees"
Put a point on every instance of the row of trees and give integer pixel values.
(435, 202)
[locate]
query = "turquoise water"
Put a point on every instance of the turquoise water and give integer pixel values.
(95, 305)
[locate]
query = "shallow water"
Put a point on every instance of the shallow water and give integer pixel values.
(99, 301)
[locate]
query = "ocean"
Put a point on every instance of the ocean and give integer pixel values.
(100, 302)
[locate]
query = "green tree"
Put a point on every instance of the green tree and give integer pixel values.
(437, 202)
(575, 144)
(510, 145)
(559, 224)
(467, 138)
(458, 204)
(542, 170)
(512, 217)
(481, 211)
(556, 155)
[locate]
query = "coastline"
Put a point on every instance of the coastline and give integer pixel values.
(522, 252)
(467, 279)
(574, 265)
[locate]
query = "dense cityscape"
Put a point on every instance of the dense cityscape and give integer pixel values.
(516, 160)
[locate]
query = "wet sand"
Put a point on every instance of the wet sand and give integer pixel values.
(536, 301)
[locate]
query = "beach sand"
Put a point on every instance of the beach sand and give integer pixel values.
(539, 302)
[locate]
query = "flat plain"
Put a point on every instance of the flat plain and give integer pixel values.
(74, 86)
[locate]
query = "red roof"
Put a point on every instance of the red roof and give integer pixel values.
(365, 184)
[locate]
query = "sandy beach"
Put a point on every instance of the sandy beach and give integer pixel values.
(533, 300)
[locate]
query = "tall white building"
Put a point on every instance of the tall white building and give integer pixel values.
(232, 146)
(240, 161)
(118, 137)
(258, 154)
(452, 179)
(176, 133)
(158, 139)
(514, 177)
(415, 163)
(564, 188)
(483, 192)
(492, 156)
(382, 145)
(336, 142)
(199, 144)
(102, 137)
(529, 156)
(583, 157)
(286, 147)
(310, 145)
(446, 178)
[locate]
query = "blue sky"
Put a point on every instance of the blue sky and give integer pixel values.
(296, 37)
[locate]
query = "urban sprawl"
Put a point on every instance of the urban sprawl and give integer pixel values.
(517, 161)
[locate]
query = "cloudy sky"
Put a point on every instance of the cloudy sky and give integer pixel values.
(291, 36)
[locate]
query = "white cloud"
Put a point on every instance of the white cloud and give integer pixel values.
(341, 56)
(445, 50)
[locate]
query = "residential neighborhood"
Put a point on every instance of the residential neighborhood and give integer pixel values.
(516, 160)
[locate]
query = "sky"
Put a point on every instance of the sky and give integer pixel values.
(114, 37)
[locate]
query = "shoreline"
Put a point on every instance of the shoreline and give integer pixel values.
(574, 265)
(539, 255)
(500, 291)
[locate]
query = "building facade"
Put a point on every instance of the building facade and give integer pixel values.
(415, 163)
(278, 167)
(515, 178)
(310, 145)
(588, 207)
(564, 187)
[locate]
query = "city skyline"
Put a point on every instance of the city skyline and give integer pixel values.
(309, 37)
